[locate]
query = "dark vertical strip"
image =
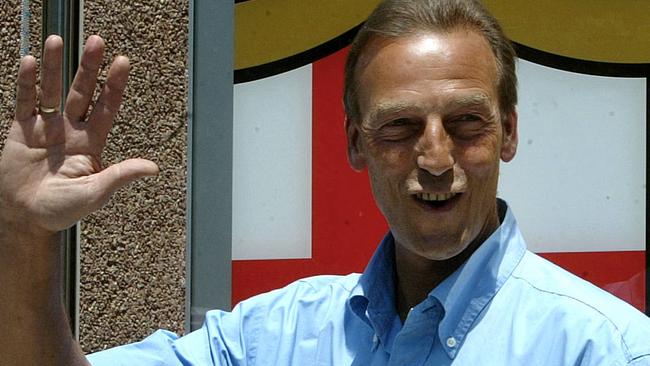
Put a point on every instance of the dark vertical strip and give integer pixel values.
(62, 17)
(209, 226)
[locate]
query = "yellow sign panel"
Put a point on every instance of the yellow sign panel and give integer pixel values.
(270, 30)
(595, 30)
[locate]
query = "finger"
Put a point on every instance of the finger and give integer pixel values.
(83, 85)
(101, 118)
(26, 88)
(51, 73)
(117, 176)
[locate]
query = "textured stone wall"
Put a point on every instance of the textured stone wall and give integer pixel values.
(10, 54)
(10, 45)
(133, 250)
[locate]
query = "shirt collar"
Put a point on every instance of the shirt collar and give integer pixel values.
(466, 292)
(373, 299)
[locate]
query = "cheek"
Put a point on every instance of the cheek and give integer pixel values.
(481, 160)
(389, 173)
(482, 172)
(382, 178)
(389, 160)
(397, 159)
(381, 191)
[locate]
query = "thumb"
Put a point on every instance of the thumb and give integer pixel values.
(118, 175)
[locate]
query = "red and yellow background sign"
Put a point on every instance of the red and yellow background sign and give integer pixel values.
(577, 186)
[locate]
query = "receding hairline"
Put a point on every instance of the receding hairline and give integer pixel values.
(373, 46)
(402, 18)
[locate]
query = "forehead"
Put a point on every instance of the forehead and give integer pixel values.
(425, 68)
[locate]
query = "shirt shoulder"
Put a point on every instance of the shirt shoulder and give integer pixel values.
(340, 283)
(281, 324)
(277, 327)
(321, 288)
(579, 303)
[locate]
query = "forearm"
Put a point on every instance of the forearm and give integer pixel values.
(35, 328)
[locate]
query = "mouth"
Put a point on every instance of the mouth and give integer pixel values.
(437, 201)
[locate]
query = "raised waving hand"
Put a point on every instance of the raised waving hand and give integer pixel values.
(51, 174)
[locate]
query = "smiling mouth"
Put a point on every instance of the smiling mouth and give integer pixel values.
(437, 201)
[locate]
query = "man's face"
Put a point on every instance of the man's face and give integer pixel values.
(431, 135)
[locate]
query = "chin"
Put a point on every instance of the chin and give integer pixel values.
(437, 248)
(439, 255)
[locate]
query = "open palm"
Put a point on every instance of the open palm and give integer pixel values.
(50, 170)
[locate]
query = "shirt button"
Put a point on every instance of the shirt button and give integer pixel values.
(451, 342)
(375, 339)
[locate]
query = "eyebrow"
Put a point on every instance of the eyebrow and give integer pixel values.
(464, 101)
(389, 109)
(472, 100)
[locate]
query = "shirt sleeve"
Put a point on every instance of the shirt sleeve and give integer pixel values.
(280, 325)
(225, 339)
(157, 349)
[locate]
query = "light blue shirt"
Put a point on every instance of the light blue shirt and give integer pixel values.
(504, 306)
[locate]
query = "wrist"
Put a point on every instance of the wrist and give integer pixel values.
(15, 225)
(25, 234)
(22, 242)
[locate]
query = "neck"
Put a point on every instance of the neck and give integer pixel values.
(417, 275)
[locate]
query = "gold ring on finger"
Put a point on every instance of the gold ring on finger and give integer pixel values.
(47, 110)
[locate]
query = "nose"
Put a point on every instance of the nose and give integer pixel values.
(435, 149)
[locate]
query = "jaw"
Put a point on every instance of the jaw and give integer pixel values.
(442, 229)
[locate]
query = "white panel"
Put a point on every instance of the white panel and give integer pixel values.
(272, 167)
(578, 180)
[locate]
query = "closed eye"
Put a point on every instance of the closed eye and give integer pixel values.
(398, 129)
(468, 118)
(399, 122)
(466, 126)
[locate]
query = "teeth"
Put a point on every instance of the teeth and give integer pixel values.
(435, 197)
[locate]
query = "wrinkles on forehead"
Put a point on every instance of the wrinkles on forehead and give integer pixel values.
(442, 50)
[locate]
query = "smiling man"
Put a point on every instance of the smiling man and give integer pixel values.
(431, 133)
(430, 100)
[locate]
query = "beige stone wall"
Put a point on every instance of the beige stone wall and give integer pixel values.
(10, 45)
(10, 55)
(133, 250)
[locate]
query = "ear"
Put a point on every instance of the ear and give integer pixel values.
(510, 137)
(356, 157)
